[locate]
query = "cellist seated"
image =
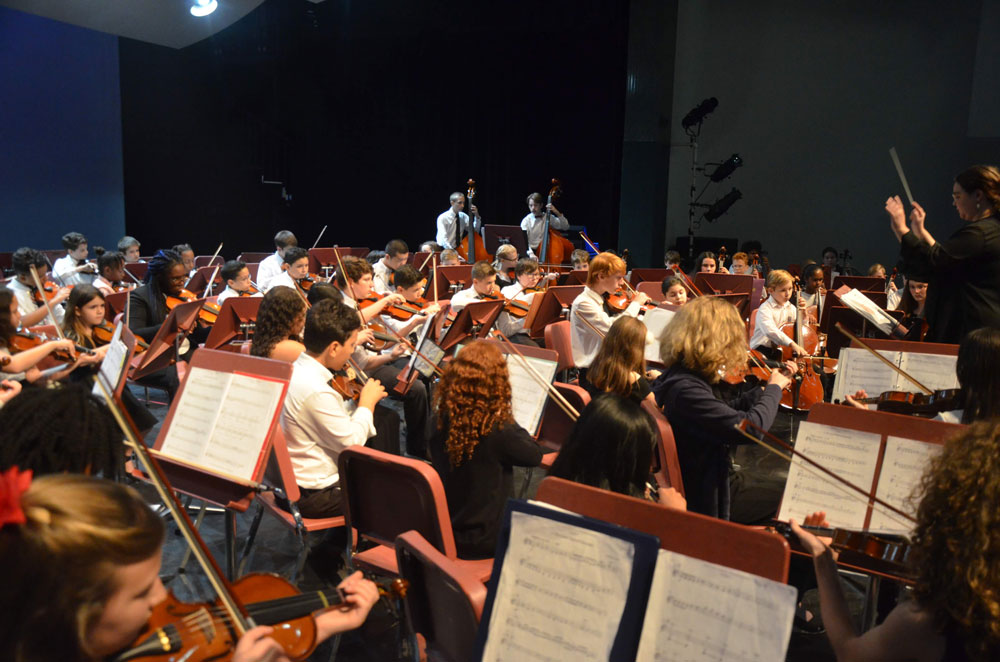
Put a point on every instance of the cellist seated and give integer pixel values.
(774, 313)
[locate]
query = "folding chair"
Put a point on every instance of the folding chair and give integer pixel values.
(556, 424)
(557, 337)
(668, 471)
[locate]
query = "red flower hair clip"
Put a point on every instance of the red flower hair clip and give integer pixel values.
(13, 484)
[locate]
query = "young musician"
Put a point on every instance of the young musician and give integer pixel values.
(26, 361)
(410, 283)
(295, 267)
(396, 255)
(674, 291)
(450, 258)
(73, 268)
(358, 283)
(830, 257)
(22, 286)
(773, 314)
(504, 263)
(430, 247)
(477, 445)
(280, 320)
(706, 263)
(271, 265)
(620, 364)
(534, 223)
(187, 257)
(236, 276)
(952, 615)
(706, 339)
(580, 259)
(452, 225)
(165, 277)
(317, 421)
(484, 278)
(611, 447)
(589, 317)
(527, 274)
(81, 559)
(111, 272)
(129, 247)
(914, 299)
(741, 265)
(813, 294)
(672, 260)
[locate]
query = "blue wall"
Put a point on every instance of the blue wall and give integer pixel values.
(60, 133)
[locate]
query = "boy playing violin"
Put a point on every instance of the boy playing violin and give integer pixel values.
(29, 303)
(237, 278)
(270, 266)
(410, 283)
(295, 267)
(73, 268)
(396, 255)
(527, 273)
(484, 281)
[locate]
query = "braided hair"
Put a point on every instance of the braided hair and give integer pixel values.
(156, 279)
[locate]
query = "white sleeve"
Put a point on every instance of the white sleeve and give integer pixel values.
(442, 231)
(766, 322)
(460, 300)
(559, 222)
(338, 427)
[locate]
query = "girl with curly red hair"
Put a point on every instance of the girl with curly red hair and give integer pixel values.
(477, 444)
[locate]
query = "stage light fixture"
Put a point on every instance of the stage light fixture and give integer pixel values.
(722, 205)
(698, 114)
(204, 7)
(726, 168)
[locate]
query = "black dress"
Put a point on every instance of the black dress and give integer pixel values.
(963, 273)
(478, 489)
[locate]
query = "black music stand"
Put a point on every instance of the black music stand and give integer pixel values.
(866, 284)
(474, 321)
(448, 279)
(237, 317)
(555, 305)
(495, 236)
(163, 347)
(200, 279)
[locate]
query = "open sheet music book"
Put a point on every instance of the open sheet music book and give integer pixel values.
(567, 587)
(862, 305)
(114, 363)
(656, 321)
(528, 398)
(222, 422)
(858, 369)
(855, 456)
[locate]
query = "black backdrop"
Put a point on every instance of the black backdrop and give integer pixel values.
(371, 114)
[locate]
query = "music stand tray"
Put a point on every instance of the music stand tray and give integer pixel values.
(162, 348)
(234, 316)
(554, 302)
(446, 276)
(474, 321)
(496, 235)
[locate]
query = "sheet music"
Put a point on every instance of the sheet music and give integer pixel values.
(857, 369)
(865, 307)
(851, 454)
(561, 593)
(702, 611)
(113, 364)
(528, 398)
(935, 371)
(902, 467)
(194, 418)
(429, 349)
(242, 426)
(656, 321)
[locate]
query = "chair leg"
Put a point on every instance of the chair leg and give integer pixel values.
(251, 536)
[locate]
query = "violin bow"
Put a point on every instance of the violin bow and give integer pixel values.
(553, 392)
(426, 260)
(316, 243)
(212, 261)
(132, 276)
(435, 267)
(591, 325)
(592, 247)
(211, 281)
(884, 360)
(238, 615)
(45, 301)
(818, 469)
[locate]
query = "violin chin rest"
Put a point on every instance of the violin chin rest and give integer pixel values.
(159, 642)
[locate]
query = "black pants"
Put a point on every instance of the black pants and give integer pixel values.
(523, 339)
(324, 502)
(416, 407)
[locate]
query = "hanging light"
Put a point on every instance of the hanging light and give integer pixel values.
(204, 7)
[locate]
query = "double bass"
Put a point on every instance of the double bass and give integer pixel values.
(555, 248)
(472, 249)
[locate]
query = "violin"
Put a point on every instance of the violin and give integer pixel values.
(876, 553)
(916, 404)
(47, 292)
(251, 291)
(306, 282)
(616, 302)
(405, 311)
(208, 313)
(23, 340)
(105, 331)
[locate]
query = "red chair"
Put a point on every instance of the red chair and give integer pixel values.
(385, 495)
(557, 337)
(443, 602)
(668, 473)
(753, 322)
(556, 424)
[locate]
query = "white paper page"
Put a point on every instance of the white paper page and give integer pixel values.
(935, 371)
(528, 398)
(113, 363)
(194, 418)
(867, 308)
(701, 611)
(561, 593)
(656, 321)
(850, 454)
(857, 369)
(242, 426)
(432, 352)
(902, 468)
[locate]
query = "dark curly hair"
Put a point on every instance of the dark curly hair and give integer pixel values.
(472, 398)
(956, 551)
(279, 310)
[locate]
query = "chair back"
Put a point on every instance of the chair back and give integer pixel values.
(385, 495)
(443, 603)
(753, 322)
(556, 424)
(668, 467)
(557, 337)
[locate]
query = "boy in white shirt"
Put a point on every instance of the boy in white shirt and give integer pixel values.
(527, 274)
(396, 255)
(410, 283)
(23, 287)
(534, 223)
(270, 266)
(295, 266)
(773, 314)
(236, 276)
(484, 280)
(73, 268)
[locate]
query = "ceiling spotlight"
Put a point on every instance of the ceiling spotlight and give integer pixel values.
(698, 113)
(204, 7)
(726, 168)
(722, 205)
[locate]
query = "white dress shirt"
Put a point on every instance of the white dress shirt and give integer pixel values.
(380, 279)
(509, 324)
(535, 225)
(229, 293)
(446, 227)
(26, 304)
(463, 298)
(318, 424)
(770, 318)
(268, 268)
(63, 270)
(589, 306)
(282, 279)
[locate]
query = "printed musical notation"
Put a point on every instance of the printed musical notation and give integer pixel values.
(702, 611)
(528, 398)
(858, 369)
(902, 468)
(561, 594)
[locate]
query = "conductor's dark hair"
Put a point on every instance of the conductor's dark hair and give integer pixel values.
(610, 447)
(396, 247)
(329, 322)
(406, 277)
(978, 358)
(322, 291)
(284, 239)
(231, 269)
(72, 240)
(62, 430)
(279, 309)
(293, 254)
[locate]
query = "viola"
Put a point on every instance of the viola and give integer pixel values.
(208, 313)
(308, 281)
(23, 340)
(104, 332)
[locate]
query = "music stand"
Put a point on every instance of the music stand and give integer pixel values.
(114, 304)
(200, 279)
(575, 277)
(866, 284)
(496, 235)
(257, 258)
(162, 350)
(325, 259)
(555, 305)
(421, 263)
(137, 269)
(474, 321)
(114, 368)
(851, 321)
(449, 278)
(734, 288)
(644, 275)
(236, 316)
(208, 261)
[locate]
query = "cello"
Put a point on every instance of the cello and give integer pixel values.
(472, 249)
(807, 389)
(555, 248)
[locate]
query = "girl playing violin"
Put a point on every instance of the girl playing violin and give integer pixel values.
(111, 272)
(589, 317)
(705, 340)
(504, 263)
(280, 320)
(81, 559)
(674, 291)
(953, 612)
(706, 263)
(620, 364)
(148, 303)
(477, 444)
(913, 299)
(773, 314)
